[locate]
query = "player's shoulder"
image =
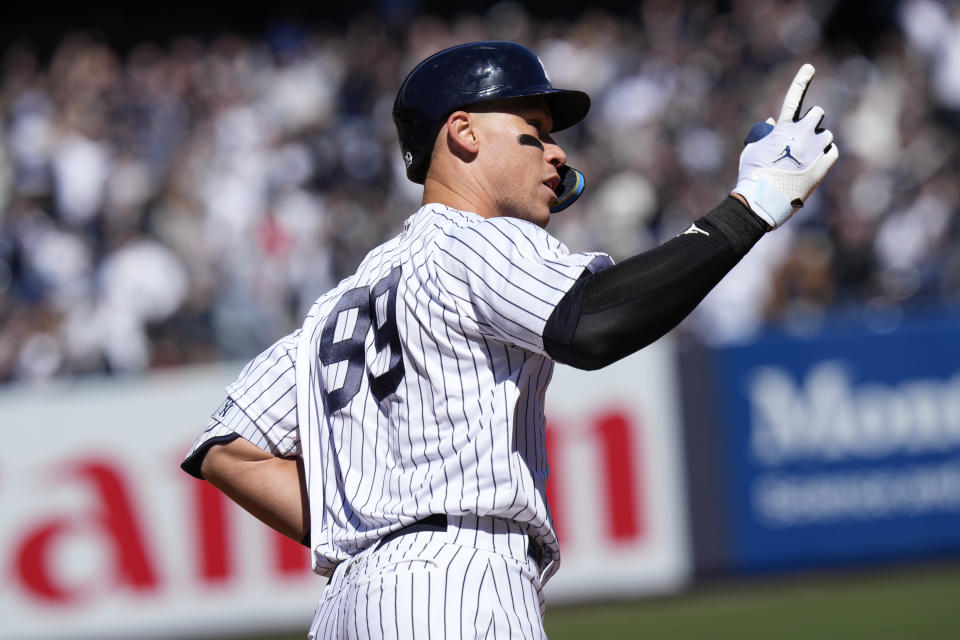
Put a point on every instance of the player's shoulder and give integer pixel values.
(447, 220)
(516, 229)
(465, 231)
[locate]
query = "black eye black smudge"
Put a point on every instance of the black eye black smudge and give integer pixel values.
(527, 139)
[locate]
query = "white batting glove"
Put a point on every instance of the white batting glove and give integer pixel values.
(784, 160)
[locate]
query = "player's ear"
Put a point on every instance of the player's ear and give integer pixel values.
(462, 134)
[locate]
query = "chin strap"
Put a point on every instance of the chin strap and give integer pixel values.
(570, 187)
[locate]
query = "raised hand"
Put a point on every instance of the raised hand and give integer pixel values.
(785, 159)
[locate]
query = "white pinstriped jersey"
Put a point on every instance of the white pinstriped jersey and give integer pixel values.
(417, 385)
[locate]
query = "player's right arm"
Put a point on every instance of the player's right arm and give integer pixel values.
(612, 313)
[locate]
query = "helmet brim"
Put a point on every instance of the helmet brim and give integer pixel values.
(567, 107)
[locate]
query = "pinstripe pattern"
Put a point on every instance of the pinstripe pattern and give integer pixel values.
(464, 431)
(461, 432)
(422, 585)
(261, 405)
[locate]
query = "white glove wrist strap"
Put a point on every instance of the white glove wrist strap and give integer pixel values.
(764, 199)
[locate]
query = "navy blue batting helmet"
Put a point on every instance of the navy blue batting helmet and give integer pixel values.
(469, 74)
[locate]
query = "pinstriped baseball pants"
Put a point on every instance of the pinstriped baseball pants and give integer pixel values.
(429, 584)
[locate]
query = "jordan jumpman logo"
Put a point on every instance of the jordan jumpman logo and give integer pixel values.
(786, 154)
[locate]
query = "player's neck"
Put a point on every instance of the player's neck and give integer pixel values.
(466, 196)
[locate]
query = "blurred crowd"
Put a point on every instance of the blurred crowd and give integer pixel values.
(187, 200)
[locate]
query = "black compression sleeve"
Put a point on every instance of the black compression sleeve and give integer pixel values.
(612, 313)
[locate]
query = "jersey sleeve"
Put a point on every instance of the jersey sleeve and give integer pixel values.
(261, 406)
(509, 275)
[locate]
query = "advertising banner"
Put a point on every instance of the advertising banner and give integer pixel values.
(843, 446)
(616, 479)
(103, 536)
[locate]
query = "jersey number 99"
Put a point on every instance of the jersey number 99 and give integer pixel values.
(376, 308)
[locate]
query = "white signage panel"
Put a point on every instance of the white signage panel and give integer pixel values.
(103, 536)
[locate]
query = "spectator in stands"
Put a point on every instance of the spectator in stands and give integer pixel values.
(138, 192)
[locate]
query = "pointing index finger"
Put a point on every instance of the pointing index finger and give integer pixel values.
(794, 99)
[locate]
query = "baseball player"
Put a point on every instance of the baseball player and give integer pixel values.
(399, 433)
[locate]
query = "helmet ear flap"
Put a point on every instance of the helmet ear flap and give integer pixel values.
(416, 157)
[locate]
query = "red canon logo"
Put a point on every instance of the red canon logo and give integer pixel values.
(115, 517)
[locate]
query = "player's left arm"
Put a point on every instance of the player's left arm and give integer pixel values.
(271, 488)
(250, 449)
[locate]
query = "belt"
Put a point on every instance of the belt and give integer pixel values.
(438, 522)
